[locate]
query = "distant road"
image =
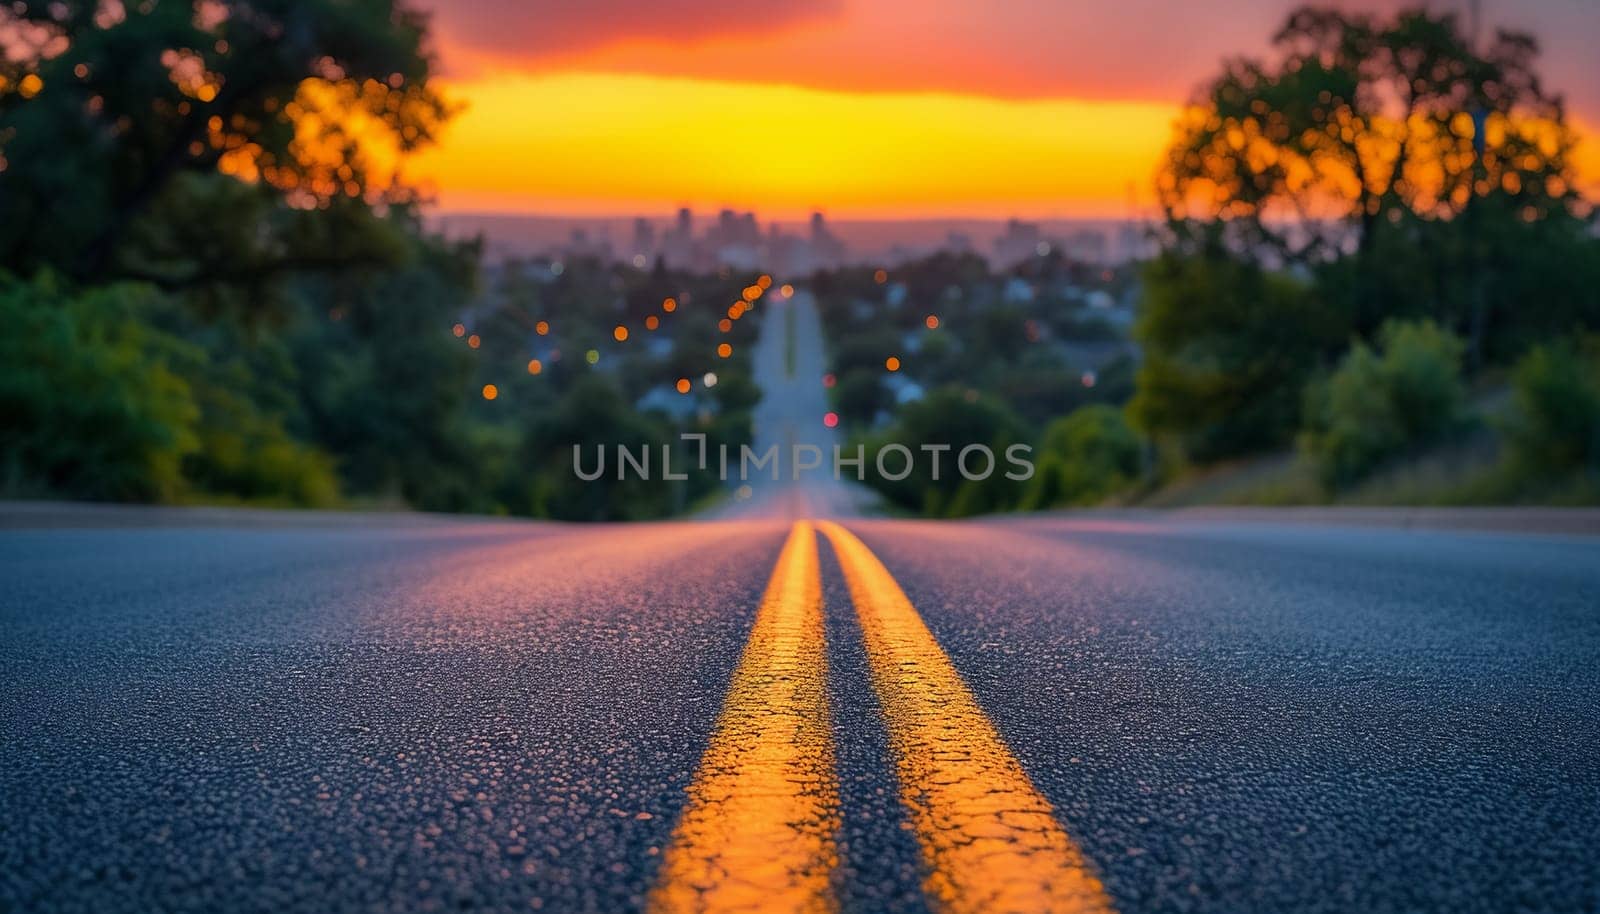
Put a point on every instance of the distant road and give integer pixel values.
(791, 413)
(1134, 713)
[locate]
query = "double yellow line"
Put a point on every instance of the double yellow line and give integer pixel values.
(759, 829)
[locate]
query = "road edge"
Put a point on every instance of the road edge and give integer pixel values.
(1505, 519)
(48, 515)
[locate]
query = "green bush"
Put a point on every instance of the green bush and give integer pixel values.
(89, 402)
(860, 395)
(957, 418)
(97, 403)
(246, 454)
(1085, 457)
(1378, 405)
(595, 419)
(1555, 426)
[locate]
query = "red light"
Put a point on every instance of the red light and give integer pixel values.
(827, 380)
(830, 420)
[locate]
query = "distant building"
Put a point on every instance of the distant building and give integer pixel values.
(677, 243)
(827, 251)
(1086, 246)
(1134, 243)
(1020, 241)
(581, 245)
(788, 255)
(644, 242)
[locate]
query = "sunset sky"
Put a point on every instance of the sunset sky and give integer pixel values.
(893, 108)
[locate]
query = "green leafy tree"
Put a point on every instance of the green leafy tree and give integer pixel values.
(113, 113)
(384, 386)
(1369, 120)
(594, 419)
(1228, 347)
(1424, 172)
(90, 402)
(860, 395)
(956, 418)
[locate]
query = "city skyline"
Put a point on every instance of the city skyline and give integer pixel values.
(745, 240)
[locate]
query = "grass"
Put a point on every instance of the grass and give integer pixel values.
(1276, 479)
(1465, 472)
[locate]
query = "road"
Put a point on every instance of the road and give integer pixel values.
(1040, 713)
(788, 365)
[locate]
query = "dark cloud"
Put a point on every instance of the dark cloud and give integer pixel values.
(553, 28)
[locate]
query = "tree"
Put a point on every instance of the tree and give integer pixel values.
(1395, 153)
(1367, 122)
(90, 401)
(953, 418)
(589, 424)
(1227, 348)
(383, 385)
(111, 112)
(860, 395)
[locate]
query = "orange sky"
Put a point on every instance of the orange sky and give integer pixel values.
(892, 108)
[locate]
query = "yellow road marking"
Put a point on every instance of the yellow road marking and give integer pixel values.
(759, 830)
(990, 841)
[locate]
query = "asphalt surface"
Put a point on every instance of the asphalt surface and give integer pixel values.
(387, 714)
(1226, 718)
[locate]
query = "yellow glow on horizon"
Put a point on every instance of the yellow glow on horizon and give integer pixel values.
(587, 143)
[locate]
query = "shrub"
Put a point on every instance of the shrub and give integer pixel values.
(247, 454)
(1084, 458)
(1377, 405)
(97, 403)
(89, 402)
(1555, 425)
(957, 418)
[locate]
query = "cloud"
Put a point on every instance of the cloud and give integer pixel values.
(532, 32)
(1127, 50)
